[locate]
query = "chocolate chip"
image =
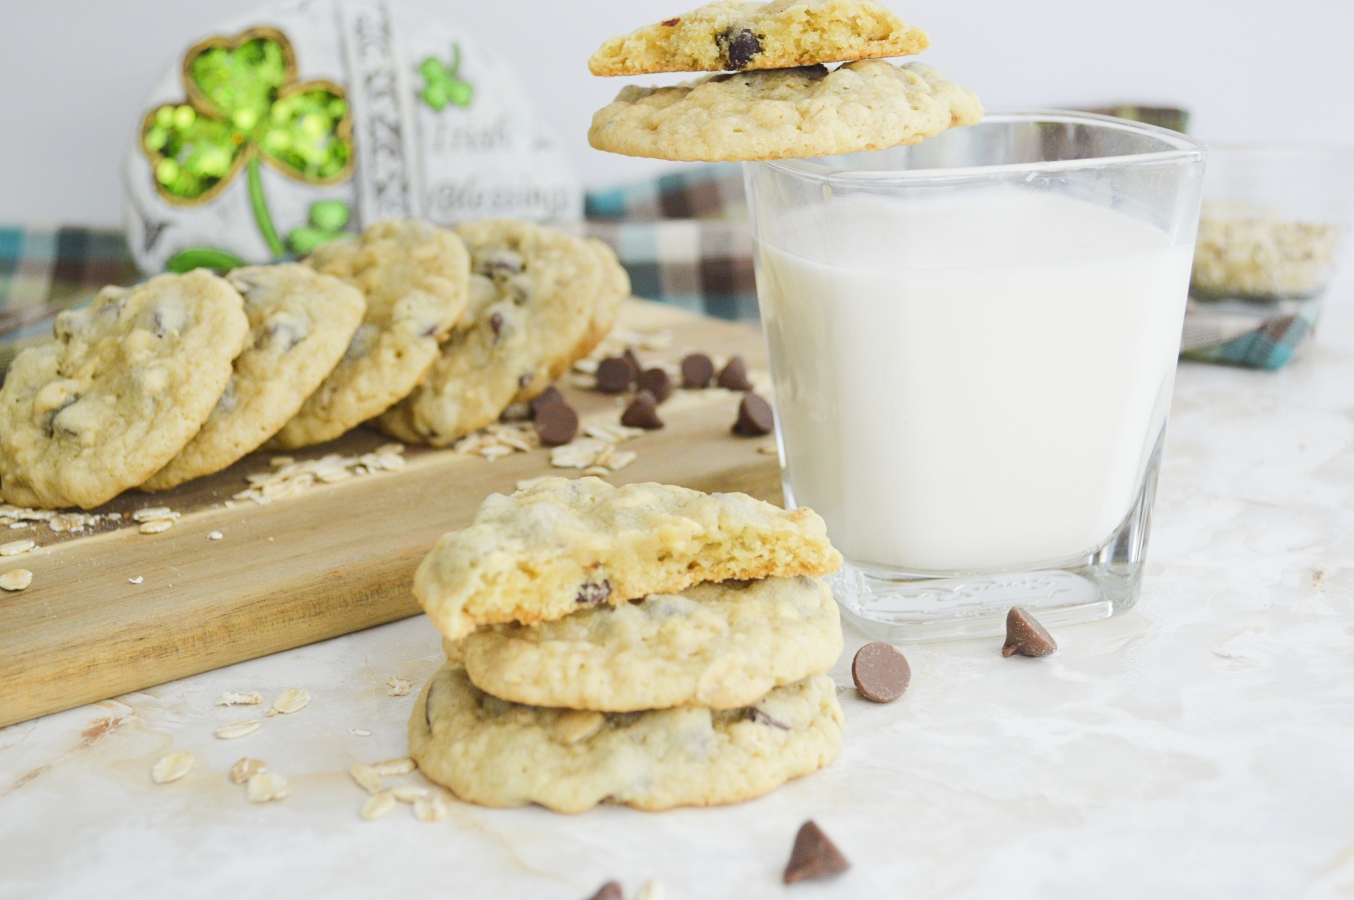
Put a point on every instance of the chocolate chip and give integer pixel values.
(51, 416)
(496, 323)
(671, 23)
(697, 370)
(880, 672)
(656, 382)
(734, 375)
(813, 856)
(632, 361)
(739, 46)
(609, 891)
(556, 423)
(762, 718)
(545, 398)
(1026, 636)
(614, 375)
(642, 412)
(755, 417)
(593, 593)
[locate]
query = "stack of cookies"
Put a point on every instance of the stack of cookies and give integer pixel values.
(430, 332)
(777, 98)
(648, 645)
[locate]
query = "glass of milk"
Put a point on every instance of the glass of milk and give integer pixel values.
(973, 343)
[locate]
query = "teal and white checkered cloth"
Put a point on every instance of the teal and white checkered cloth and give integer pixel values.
(683, 238)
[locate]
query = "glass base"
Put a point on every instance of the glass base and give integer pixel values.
(910, 607)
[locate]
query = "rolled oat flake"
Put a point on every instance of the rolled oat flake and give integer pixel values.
(881, 672)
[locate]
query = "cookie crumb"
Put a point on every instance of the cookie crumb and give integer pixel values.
(651, 891)
(14, 548)
(137, 580)
(157, 526)
(360, 732)
(16, 580)
(172, 767)
(214, 535)
(398, 687)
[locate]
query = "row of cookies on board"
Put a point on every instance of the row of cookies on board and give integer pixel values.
(429, 332)
(775, 98)
(648, 645)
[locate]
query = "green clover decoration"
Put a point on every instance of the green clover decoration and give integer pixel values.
(441, 84)
(327, 218)
(244, 105)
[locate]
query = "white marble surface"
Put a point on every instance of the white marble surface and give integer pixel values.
(1200, 746)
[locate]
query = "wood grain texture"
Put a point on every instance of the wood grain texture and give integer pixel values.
(336, 559)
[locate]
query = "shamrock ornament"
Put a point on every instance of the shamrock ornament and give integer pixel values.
(441, 85)
(327, 218)
(244, 105)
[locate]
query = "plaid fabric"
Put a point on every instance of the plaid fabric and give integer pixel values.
(683, 238)
(46, 270)
(1240, 334)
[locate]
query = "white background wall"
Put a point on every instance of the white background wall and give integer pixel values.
(74, 73)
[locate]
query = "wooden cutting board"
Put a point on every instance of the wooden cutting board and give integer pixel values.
(334, 559)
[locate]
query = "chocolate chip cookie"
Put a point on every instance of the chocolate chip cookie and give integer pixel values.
(496, 753)
(560, 546)
(414, 277)
(721, 645)
(783, 113)
(732, 35)
(124, 385)
(540, 300)
(300, 323)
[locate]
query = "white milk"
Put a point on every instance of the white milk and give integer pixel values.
(972, 382)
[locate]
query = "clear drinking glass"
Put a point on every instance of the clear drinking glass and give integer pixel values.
(973, 343)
